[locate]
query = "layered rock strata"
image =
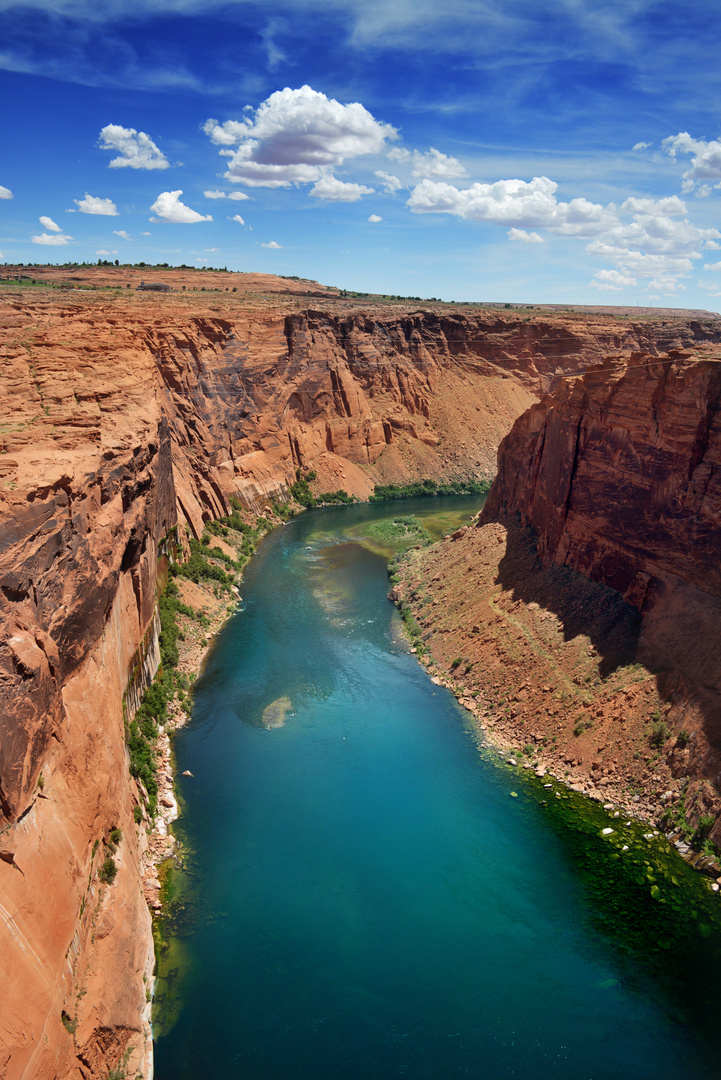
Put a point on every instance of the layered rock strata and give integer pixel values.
(618, 475)
(126, 417)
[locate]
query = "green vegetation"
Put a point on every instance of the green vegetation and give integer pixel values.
(302, 494)
(68, 1024)
(401, 532)
(108, 870)
(660, 734)
(428, 489)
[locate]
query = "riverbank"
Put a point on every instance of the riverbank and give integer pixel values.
(545, 662)
(194, 642)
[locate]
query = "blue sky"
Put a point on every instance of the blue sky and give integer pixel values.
(565, 151)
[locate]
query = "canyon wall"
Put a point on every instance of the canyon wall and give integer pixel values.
(618, 473)
(126, 416)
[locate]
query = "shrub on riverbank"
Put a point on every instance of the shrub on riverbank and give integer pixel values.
(302, 494)
(428, 489)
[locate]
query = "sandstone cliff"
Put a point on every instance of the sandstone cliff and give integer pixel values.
(123, 416)
(618, 474)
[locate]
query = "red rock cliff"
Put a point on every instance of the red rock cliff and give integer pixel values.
(121, 417)
(619, 474)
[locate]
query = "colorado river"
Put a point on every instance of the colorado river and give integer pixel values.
(363, 897)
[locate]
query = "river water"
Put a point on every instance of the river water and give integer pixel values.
(363, 897)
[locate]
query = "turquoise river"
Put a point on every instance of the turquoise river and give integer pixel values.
(362, 897)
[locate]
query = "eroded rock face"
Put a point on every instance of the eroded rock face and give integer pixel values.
(619, 474)
(122, 417)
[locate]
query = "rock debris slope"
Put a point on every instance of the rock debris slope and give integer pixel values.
(618, 474)
(125, 415)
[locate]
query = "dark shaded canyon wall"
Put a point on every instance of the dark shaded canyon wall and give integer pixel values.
(619, 474)
(121, 418)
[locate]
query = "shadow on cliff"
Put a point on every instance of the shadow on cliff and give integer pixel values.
(583, 606)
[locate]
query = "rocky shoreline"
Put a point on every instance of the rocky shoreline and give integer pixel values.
(157, 843)
(553, 689)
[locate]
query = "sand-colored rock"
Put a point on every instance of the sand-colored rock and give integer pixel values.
(616, 477)
(123, 414)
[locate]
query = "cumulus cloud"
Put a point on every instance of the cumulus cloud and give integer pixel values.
(712, 266)
(646, 237)
(272, 245)
(641, 146)
(122, 234)
(105, 253)
(705, 158)
(93, 204)
(237, 196)
(430, 163)
(5, 192)
(374, 219)
(525, 237)
(238, 218)
(56, 240)
(136, 149)
(390, 183)
(612, 280)
(48, 223)
(333, 190)
(516, 203)
(168, 207)
(296, 137)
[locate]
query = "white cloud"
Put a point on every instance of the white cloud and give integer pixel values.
(238, 218)
(645, 237)
(712, 266)
(146, 234)
(507, 202)
(712, 287)
(272, 245)
(667, 286)
(669, 207)
(374, 219)
(57, 240)
(705, 157)
(390, 183)
(295, 137)
(641, 146)
(48, 223)
(1, 255)
(237, 196)
(612, 280)
(106, 253)
(525, 237)
(122, 234)
(712, 244)
(168, 207)
(333, 190)
(136, 149)
(641, 262)
(93, 204)
(430, 163)
(5, 192)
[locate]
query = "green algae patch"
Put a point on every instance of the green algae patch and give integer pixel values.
(652, 905)
(274, 714)
(172, 958)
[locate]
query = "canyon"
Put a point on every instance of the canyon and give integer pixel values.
(130, 419)
(592, 575)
